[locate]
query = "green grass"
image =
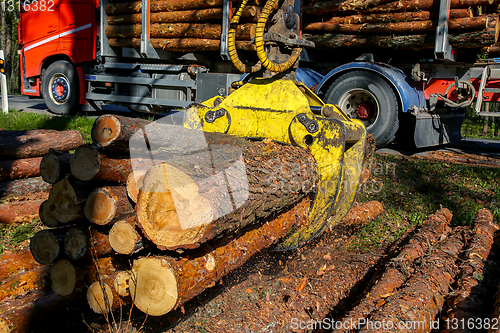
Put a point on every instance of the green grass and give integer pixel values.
(411, 189)
(13, 236)
(473, 127)
(16, 120)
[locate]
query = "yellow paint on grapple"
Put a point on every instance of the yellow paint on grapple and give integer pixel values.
(277, 109)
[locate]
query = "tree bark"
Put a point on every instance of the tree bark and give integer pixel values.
(23, 187)
(34, 143)
(21, 168)
(402, 265)
(14, 263)
(160, 6)
(196, 15)
(114, 132)
(24, 283)
(54, 166)
(19, 211)
(186, 201)
(423, 295)
(182, 279)
(179, 30)
(107, 205)
(180, 44)
(467, 302)
(360, 214)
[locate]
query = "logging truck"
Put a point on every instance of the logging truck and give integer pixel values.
(75, 54)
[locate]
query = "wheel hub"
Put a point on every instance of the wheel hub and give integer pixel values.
(59, 89)
(365, 111)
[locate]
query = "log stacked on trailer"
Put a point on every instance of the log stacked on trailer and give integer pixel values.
(22, 185)
(399, 24)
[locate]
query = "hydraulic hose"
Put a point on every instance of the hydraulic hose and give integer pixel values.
(259, 43)
(231, 41)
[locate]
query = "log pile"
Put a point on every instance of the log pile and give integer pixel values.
(399, 24)
(22, 185)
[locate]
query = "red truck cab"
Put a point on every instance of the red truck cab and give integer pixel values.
(57, 38)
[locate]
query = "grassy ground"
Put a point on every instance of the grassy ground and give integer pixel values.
(412, 188)
(473, 128)
(16, 120)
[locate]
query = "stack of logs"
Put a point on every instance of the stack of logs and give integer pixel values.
(21, 188)
(108, 208)
(194, 25)
(399, 24)
(179, 26)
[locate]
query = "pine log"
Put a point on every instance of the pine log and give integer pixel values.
(114, 132)
(324, 7)
(474, 39)
(463, 23)
(196, 15)
(64, 204)
(19, 211)
(107, 205)
(422, 296)
(360, 214)
(326, 25)
(179, 30)
(159, 284)
(27, 282)
(124, 238)
(45, 214)
(160, 6)
(400, 267)
(54, 166)
(87, 163)
(34, 143)
(22, 187)
(86, 243)
(180, 44)
(21, 168)
(183, 204)
(46, 245)
(63, 277)
(135, 181)
(467, 302)
(18, 262)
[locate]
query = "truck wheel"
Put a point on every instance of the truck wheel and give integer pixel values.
(60, 88)
(368, 97)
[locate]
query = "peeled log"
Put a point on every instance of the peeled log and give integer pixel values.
(14, 263)
(187, 201)
(34, 143)
(54, 166)
(21, 168)
(160, 6)
(466, 23)
(179, 30)
(423, 294)
(107, 205)
(114, 132)
(466, 302)
(326, 25)
(23, 187)
(180, 44)
(19, 211)
(402, 265)
(195, 15)
(161, 283)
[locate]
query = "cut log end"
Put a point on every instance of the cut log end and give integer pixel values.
(153, 286)
(50, 169)
(45, 213)
(184, 214)
(100, 207)
(75, 243)
(121, 283)
(123, 238)
(64, 202)
(100, 297)
(135, 182)
(44, 247)
(106, 129)
(63, 276)
(85, 163)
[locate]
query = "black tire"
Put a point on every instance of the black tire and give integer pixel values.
(60, 88)
(369, 97)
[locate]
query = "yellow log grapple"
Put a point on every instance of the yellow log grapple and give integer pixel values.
(274, 105)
